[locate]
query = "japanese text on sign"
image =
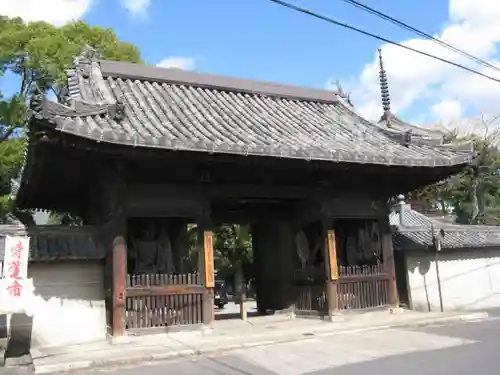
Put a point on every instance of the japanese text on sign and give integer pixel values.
(15, 264)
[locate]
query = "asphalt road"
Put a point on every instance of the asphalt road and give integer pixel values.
(481, 356)
(459, 349)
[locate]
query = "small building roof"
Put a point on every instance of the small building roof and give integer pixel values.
(415, 232)
(392, 124)
(54, 243)
(146, 106)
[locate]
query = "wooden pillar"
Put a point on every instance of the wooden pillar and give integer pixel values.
(178, 232)
(388, 258)
(119, 257)
(206, 254)
(330, 255)
(113, 215)
(259, 262)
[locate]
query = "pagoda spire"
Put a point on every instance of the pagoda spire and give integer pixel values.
(384, 90)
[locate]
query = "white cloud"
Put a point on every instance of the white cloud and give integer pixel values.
(472, 25)
(447, 110)
(56, 12)
(137, 8)
(184, 63)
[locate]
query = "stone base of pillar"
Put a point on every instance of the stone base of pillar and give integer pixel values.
(337, 317)
(396, 310)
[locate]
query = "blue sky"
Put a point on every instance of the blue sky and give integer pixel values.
(258, 39)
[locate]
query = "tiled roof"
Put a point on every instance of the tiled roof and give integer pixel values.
(395, 125)
(12, 230)
(50, 243)
(411, 219)
(416, 233)
(400, 125)
(146, 106)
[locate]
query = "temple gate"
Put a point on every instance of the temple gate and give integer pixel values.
(141, 152)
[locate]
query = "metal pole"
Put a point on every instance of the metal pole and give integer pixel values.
(436, 242)
(439, 281)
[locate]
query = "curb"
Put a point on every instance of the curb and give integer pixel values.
(417, 323)
(131, 359)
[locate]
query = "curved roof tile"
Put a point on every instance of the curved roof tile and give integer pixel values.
(145, 106)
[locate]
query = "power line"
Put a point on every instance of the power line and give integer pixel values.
(395, 21)
(375, 36)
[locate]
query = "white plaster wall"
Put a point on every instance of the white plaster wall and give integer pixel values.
(68, 304)
(470, 280)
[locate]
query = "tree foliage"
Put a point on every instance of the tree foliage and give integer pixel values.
(39, 54)
(11, 156)
(233, 254)
(474, 194)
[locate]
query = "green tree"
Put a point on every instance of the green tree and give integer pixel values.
(232, 251)
(11, 156)
(38, 55)
(438, 195)
(474, 194)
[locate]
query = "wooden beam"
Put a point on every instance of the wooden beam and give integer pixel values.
(346, 207)
(358, 278)
(162, 192)
(164, 290)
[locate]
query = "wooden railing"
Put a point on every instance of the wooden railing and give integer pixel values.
(309, 292)
(362, 287)
(358, 287)
(157, 300)
(310, 300)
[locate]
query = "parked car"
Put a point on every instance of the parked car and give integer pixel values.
(220, 294)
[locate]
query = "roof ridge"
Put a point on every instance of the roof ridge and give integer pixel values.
(88, 67)
(133, 71)
(450, 227)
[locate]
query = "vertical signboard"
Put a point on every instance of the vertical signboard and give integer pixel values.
(208, 253)
(332, 255)
(15, 283)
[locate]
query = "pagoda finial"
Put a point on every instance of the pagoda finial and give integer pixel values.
(384, 90)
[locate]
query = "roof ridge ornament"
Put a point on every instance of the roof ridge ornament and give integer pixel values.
(342, 94)
(384, 91)
(83, 62)
(49, 110)
(407, 138)
(37, 98)
(116, 111)
(87, 55)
